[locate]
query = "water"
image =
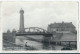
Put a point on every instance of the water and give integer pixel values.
(21, 40)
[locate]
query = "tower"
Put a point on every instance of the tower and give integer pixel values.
(21, 29)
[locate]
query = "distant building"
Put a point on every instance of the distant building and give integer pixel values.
(9, 36)
(67, 27)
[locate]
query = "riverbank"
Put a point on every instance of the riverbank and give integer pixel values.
(12, 46)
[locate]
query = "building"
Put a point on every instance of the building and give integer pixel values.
(21, 29)
(9, 36)
(63, 34)
(61, 27)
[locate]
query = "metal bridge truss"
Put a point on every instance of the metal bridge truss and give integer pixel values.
(34, 31)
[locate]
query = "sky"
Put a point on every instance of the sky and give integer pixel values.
(38, 14)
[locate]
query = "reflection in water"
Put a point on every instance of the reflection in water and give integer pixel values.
(48, 46)
(40, 46)
(36, 44)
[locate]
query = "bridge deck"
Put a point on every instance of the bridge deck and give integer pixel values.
(33, 33)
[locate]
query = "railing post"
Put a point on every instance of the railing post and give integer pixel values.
(33, 29)
(29, 29)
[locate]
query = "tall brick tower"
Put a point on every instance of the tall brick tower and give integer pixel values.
(21, 29)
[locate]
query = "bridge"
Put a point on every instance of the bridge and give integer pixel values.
(31, 30)
(34, 31)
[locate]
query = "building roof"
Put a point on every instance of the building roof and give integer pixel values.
(57, 25)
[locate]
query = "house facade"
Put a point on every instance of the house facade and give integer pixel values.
(61, 27)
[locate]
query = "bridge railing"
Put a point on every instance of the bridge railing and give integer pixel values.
(34, 32)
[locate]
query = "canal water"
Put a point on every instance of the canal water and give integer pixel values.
(31, 41)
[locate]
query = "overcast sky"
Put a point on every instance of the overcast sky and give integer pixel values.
(38, 14)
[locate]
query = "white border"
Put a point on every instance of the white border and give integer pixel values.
(42, 51)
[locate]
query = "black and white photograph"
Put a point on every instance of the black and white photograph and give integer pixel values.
(39, 25)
